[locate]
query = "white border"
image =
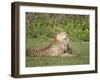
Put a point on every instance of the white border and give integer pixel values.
(37, 70)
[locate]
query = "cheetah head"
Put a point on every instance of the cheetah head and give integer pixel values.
(62, 36)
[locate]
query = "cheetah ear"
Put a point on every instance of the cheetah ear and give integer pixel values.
(63, 33)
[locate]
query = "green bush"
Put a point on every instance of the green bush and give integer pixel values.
(47, 25)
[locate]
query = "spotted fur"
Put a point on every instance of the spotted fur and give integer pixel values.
(58, 47)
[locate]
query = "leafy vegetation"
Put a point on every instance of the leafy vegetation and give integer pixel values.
(44, 25)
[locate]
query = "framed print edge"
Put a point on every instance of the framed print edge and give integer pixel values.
(15, 32)
(96, 39)
(14, 40)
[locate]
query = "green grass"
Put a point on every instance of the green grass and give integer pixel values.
(81, 49)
